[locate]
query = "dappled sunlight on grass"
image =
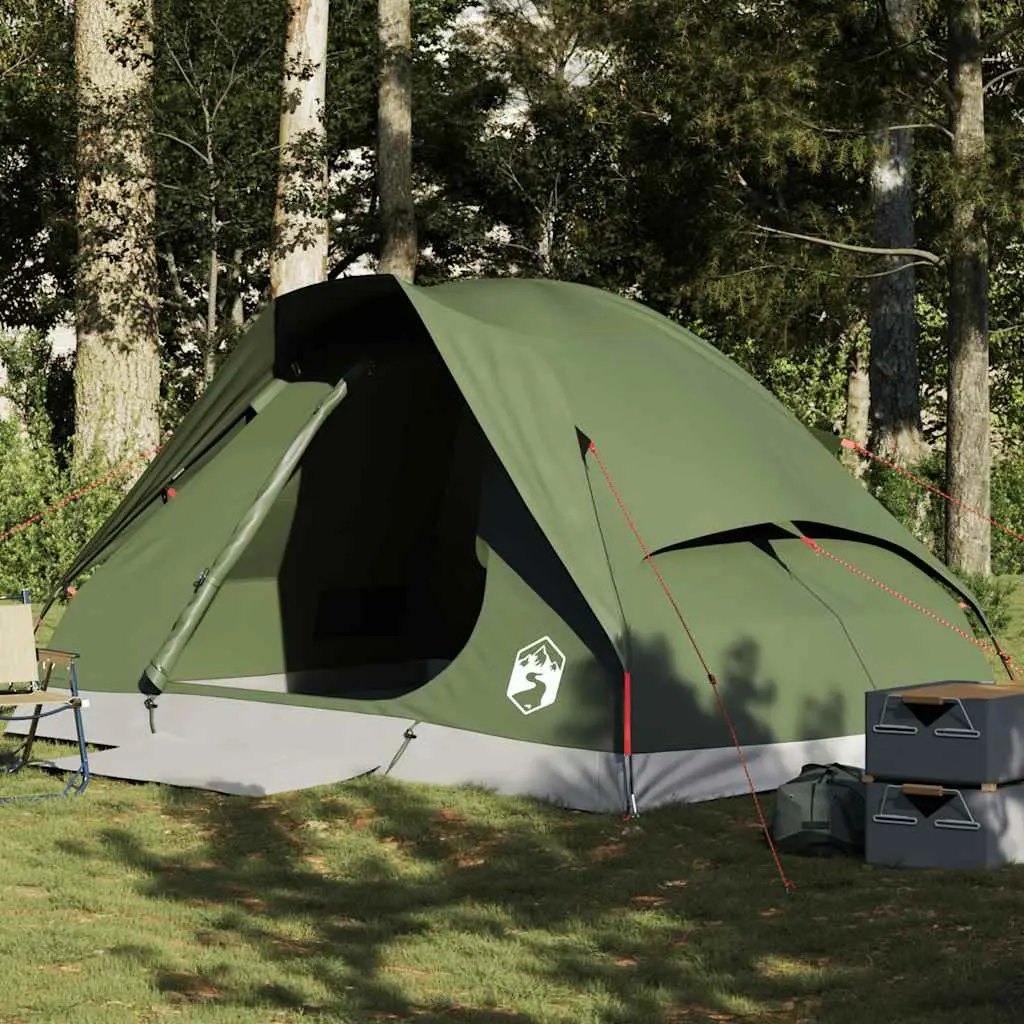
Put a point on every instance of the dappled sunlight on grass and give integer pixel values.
(805, 979)
(381, 901)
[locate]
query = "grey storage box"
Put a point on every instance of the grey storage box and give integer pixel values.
(960, 733)
(916, 825)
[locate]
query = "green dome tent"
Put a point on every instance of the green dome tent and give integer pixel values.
(399, 533)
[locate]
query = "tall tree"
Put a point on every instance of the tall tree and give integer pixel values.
(117, 374)
(398, 240)
(37, 223)
(894, 377)
(217, 84)
(737, 129)
(299, 255)
(546, 165)
(968, 447)
(856, 421)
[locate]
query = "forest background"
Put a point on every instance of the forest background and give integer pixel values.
(829, 191)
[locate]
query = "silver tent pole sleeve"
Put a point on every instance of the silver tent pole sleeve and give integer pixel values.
(154, 679)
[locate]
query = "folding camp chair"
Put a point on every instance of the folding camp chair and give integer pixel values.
(25, 673)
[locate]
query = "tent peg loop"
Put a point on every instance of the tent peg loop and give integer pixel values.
(150, 705)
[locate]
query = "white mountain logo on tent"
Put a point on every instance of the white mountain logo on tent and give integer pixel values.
(536, 674)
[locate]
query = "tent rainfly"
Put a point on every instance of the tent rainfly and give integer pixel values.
(399, 533)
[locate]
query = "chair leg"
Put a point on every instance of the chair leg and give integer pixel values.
(30, 738)
(82, 775)
(79, 778)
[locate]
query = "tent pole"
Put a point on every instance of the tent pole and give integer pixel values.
(624, 652)
(154, 679)
(627, 738)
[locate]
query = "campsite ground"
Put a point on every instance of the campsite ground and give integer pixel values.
(377, 901)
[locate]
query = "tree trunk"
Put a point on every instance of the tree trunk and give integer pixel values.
(399, 250)
(237, 302)
(968, 453)
(858, 400)
(895, 422)
(213, 270)
(299, 254)
(546, 232)
(210, 347)
(117, 372)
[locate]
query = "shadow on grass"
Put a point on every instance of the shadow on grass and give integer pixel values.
(383, 901)
(378, 898)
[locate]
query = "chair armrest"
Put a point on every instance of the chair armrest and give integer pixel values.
(14, 700)
(55, 657)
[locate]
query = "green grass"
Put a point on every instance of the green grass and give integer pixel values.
(1011, 638)
(378, 901)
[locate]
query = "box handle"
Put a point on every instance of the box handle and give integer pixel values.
(881, 727)
(920, 789)
(947, 732)
(969, 733)
(884, 818)
(958, 823)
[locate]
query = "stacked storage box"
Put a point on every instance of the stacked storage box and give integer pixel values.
(944, 765)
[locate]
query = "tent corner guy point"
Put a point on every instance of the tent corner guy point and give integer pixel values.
(468, 533)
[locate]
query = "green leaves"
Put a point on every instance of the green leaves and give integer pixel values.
(36, 162)
(35, 473)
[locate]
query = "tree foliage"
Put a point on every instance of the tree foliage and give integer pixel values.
(36, 162)
(35, 471)
(696, 156)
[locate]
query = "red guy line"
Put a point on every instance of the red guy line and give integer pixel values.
(927, 612)
(861, 450)
(75, 495)
(787, 883)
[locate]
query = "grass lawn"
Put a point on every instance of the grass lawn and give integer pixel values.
(377, 901)
(1012, 637)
